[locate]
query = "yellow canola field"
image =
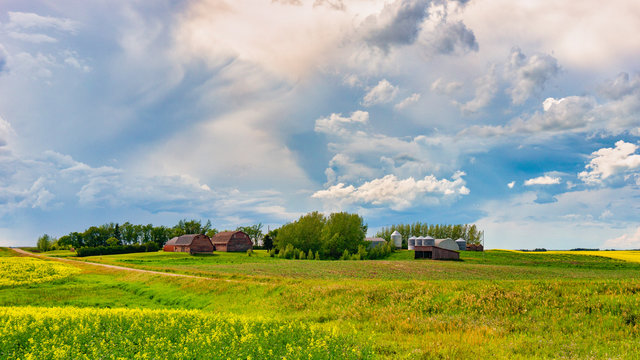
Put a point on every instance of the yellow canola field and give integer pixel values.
(16, 271)
(626, 255)
(89, 333)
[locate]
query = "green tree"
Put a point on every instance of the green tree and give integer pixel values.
(303, 234)
(254, 232)
(342, 231)
(267, 242)
(191, 227)
(211, 232)
(44, 243)
(113, 241)
(160, 235)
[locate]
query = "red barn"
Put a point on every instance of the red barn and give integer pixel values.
(229, 241)
(193, 244)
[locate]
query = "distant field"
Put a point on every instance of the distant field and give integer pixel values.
(494, 264)
(627, 255)
(497, 304)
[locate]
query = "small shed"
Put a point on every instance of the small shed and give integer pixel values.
(475, 247)
(232, 241)
(170, 245)
(374, 242)
(192, 243)
(435, 253)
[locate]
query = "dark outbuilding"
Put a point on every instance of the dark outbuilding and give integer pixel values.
(435, 253)
(232, 241)
(374, 241)
(193, 244)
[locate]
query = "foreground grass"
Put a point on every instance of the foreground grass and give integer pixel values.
(563, 307)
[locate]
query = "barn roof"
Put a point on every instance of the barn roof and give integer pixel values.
(224, 237)
(182, 240)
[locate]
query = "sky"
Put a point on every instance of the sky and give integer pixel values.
(522, 117)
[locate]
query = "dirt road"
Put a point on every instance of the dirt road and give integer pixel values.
(20, 251)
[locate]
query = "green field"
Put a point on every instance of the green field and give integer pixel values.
(500, 304)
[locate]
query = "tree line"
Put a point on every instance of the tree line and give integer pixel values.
(117, 235)
(437, 231)
(114, 234)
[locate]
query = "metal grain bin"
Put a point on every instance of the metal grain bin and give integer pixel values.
(462, 244)
(428, 241)
(411, 243)
(397, 239)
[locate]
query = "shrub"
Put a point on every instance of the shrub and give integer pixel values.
(345, 255)
(301, 255)
(249, 252)
(289, 252)
(112, 241)
(317, 255)
(272, 252)
(120, 249)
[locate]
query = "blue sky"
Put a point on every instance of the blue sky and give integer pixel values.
(521, 117)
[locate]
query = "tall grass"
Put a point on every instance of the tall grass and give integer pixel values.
(501, 305)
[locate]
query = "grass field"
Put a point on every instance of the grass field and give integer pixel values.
(499, 304)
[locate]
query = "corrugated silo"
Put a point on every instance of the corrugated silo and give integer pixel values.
(462, 244)
(419, 240)
(397, 239)
(428, 241)
(411, 242)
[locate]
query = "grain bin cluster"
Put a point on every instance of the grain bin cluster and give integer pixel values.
(426, 247)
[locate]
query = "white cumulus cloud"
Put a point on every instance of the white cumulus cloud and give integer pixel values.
(23, 20)
(382, 93)
(543, 180)
(408, 101)
(396, 193)
(608, 162)
(336, 124)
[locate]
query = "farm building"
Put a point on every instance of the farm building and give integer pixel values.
(193, 243)
(447, 244)
(475, 247)
(373, 242)
(435, 253)
(230, 241)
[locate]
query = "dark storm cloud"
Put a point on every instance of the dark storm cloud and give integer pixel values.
(398, 24)
(450, 37)
(621, 86)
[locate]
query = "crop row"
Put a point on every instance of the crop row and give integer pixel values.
(16, 271)
(86, 333)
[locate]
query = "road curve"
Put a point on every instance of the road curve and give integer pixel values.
(23, 252)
